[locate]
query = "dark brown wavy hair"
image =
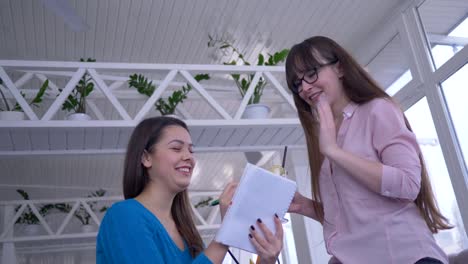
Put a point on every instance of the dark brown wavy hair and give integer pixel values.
(146, 134)
(360, 88)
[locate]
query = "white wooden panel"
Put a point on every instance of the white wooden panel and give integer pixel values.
(57, 139)
(90, 35)
(223, 136)
(40, 39)
(141, 26)
(60, 38)
(20, 138)
(120, 35)
(39, 139)
(209, 14)
(5, 139)
(207, 137)
(196, 15)
(183, 10)
(300, 141)
(282, 135)
(132, 22)
(9, 35)
(195, 133)
(266, 137)
(109, 34)
(253, 136)
(238, 136)
(80, 37)
(171, 27)
(75, 138)
(124, 137)
(18, 28)
(294, 137)
(93, 138)
(110, 138)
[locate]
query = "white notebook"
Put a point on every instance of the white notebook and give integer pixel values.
(260, 194)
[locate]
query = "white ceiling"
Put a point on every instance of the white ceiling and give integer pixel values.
(177, 32)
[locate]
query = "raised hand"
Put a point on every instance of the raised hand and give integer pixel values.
(226, 197)
(327, 134)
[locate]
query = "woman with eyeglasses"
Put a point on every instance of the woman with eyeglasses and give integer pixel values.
(154, 223)
(371, 191)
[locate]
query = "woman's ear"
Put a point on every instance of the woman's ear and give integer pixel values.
(146, 159)
(338, 69)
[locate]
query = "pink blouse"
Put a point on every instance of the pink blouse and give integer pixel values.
(362, 226)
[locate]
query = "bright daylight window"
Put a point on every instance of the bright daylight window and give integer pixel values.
(452, 240)
(455, 94)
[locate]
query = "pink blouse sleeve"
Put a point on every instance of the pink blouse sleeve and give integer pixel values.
(397, 149)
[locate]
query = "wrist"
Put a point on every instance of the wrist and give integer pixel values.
(332, 152)
(304, 203)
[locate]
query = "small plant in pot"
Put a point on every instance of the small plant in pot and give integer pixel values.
(243, 81)
(16, 112)
(76, 100)
(164, 106)
(28, 218)
(82, 214)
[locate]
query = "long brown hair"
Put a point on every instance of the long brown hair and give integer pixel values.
(360, 88)
(146, 134)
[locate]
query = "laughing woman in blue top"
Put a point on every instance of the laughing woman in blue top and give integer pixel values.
(154, 224)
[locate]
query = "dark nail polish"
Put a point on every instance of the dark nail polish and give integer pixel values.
(250, 235)
(259, 220)
(252, 227)
(276, 216)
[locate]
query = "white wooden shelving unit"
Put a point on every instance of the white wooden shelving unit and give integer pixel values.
(220, 130)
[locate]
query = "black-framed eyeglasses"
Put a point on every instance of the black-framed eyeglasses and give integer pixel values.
(309, 76)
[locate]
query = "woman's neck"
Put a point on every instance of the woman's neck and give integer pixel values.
(339, 106)
(158, 201)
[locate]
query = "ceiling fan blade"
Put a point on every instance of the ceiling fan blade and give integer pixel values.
(63, 9)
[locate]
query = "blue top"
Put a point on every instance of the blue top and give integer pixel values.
(130, 233)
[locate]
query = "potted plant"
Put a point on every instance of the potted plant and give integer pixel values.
(16, 112)
(243, 81)
(165, 107)
(28, 218)
(76, 100)
(82, 214)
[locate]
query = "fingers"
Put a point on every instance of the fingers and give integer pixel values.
(268, 248)
(279, 228)
(228, 193)
(226, 197)
(266, 232)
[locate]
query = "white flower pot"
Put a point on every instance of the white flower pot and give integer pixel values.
(78, 117)
(11, 115)
(256, 111)
(87, 228)
(173, 116)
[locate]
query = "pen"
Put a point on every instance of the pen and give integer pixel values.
(215, 202)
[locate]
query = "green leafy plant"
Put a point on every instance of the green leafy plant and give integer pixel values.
(81, 213)
(34, 102)
(243, 81)
(76, 100)
(165, 107)
(28, 217)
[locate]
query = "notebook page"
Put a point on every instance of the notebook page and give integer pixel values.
(260, 194)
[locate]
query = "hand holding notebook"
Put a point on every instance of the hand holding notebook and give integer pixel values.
(260, 194)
